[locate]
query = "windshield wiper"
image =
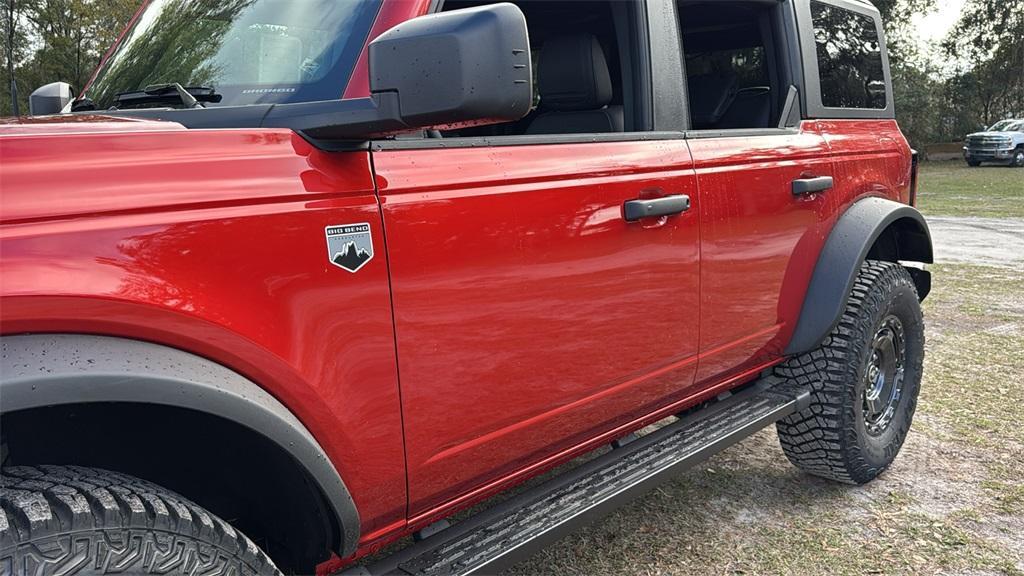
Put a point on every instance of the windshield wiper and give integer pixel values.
(190, 97)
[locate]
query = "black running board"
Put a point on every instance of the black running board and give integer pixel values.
(514, 529)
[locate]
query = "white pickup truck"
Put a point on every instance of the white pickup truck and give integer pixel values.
(1003, 143)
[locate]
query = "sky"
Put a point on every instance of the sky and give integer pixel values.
(931, 28)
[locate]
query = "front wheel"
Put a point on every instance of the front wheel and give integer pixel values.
(864, 381)
(76, 521)
(973, 163)
(1018, 158)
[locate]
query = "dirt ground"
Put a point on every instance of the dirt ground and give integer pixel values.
(973, 240)
(953, 501)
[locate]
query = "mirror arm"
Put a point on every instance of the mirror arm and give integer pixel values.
(354, 120)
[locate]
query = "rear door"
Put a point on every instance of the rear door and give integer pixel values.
(531, 316)
(759, 239)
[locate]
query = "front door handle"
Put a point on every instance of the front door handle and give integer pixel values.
(634, 210)
(805, 186)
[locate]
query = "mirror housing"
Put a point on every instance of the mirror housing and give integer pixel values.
(53, 98)
(466, 67)
(449, 70)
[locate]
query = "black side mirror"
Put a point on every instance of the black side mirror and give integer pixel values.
(468, 66)
(52, 98)
(453, 69)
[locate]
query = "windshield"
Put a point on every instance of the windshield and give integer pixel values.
(1000, 126)
(249, 51)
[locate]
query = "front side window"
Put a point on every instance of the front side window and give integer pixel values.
(583, 51)
(849, 58)
(248, 51)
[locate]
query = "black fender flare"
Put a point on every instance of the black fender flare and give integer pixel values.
(51, 369)
(846, 248)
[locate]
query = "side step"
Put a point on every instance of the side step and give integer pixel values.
(514, 529)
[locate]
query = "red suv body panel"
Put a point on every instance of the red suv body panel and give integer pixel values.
(492, 259)
(213, 242)
(871, 157)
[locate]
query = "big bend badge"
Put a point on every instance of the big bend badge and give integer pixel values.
(349, 246)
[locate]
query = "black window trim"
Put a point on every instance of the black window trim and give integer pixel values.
(522, 140)
(652, 66)
(741, 132)
(812, 79)
(669, 98)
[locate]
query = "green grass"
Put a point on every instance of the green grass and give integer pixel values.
(951, 188)
(953, 502)
(976, 354)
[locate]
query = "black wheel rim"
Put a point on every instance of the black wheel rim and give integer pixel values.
(883, 376)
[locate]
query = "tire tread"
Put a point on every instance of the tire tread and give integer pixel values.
(822, 439)
(75, 520)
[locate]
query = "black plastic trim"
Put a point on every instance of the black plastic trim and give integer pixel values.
(52, 369)
(741, 132)
(634, 210)
(540, 139)
(804, 186)
(522, 140)
(248, 116)
(791, 34)
(668, 76)
(790, 116)
(839, 262)
(915, 164)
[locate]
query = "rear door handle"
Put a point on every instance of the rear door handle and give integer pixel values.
(805, 186)
(634, 210)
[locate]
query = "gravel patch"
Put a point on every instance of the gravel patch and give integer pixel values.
(972, 240)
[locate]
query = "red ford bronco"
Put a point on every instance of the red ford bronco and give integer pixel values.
(287, 282)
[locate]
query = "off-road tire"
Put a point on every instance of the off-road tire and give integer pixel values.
(974, 163)
(76, 521)
(830, 438)
(1018, 158)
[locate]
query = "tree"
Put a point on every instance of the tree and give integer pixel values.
(989, 41)
(897, 14)
(15, 49)
(57, 40)
(918, 98)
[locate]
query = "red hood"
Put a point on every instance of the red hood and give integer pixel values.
(79, 124)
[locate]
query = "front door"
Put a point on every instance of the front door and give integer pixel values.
(534, 313)
(530, 314)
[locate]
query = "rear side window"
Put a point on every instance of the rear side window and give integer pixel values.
(849, 57)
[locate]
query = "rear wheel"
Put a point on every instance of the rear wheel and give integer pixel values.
(864, 381)
(76, 521)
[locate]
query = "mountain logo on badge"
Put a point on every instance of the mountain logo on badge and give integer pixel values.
(349, 246)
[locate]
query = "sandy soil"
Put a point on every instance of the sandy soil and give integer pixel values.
(987, 241)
